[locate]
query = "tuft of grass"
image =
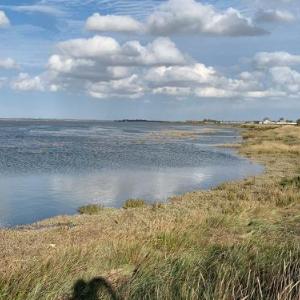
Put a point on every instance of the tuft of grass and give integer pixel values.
(291, 182)
(90, 209)
(134, 203)
(221, 272)
(157, 205)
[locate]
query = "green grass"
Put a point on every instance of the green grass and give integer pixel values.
(246, 271)
(293, 182)
(91, 209)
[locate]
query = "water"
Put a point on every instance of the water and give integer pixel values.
(50, 168)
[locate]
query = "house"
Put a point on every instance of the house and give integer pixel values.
(267, 121)
(281, 121)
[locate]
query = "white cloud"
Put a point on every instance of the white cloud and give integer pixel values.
(162, 51)
(104, 68)
(197, 73)
(286, 79)
(213, 92)
(8, 63)
(269, 59)
(67, 64)
(4, 21)
(109, 51)
(178, 81)
(274, 16)
(95, 47)
(173, 91)
(189, 16)
(26, 83)
(111, 23)
(126, 87)
(117, 72)
(42, 83)
(181, 17)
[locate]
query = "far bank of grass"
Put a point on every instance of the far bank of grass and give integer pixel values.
(240, 240)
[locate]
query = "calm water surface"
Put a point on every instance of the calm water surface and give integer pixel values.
(50, 168)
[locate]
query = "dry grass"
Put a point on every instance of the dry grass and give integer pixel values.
(238, 241)
(177, 134)
(275, 147)
(134, 203)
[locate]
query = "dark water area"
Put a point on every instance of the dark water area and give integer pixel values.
(50, 168)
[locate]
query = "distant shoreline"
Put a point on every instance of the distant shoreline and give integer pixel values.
(191, 122)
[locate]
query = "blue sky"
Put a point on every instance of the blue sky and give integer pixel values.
(153, 59)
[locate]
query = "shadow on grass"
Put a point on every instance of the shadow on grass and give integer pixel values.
(92, 290)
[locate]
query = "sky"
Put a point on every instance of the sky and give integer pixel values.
(150, 59)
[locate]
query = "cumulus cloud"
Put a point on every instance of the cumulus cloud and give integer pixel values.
(26, 83)
(189, 16)
(4, 21)
(269, 59)
(274, 16)
(127, 87)
(200, 81)
(8, 63)
(95, 47)
(180, 16)
(189, 80)
(104, 68)
(162, 51)
(286, 79)
(213, 92)
(112, 23)
(67, 64)
(175, 75)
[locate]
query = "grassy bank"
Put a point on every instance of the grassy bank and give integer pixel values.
(238, 241)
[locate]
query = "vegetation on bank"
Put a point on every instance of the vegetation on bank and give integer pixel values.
(240, 240)
(134, 203)
(90, 209)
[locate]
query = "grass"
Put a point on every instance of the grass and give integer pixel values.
(240, 240)
(91, 209)
(295, 181)
(134, 203)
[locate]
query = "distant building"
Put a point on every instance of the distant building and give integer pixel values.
(281, 121)
(267, 121)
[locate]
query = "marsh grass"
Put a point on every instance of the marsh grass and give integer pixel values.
(134, 203)
(91, 209)
(240, 240)
(221, 272)
(293, 182)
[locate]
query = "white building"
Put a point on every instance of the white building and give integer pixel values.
(267, 121)
(282, 121)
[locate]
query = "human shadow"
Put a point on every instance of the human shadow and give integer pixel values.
(91, 290)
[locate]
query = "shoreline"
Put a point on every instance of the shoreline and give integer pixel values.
(213, 176)
(236, 147)
(231, 146)
(258, 215)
